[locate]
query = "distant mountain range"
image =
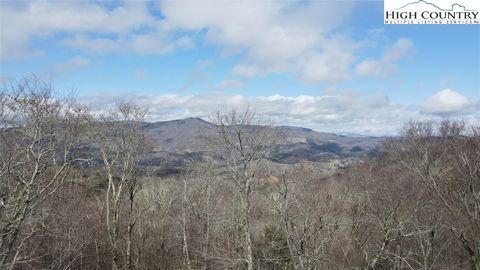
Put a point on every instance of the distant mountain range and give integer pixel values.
(179, 141)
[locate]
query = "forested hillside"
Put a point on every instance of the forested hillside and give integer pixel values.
(88, 190)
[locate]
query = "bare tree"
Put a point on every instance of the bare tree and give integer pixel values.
(308, 206)
(378, 220)
(241, 146)
(446, 159)
(76, 194)
(40, 141)
(121, 144)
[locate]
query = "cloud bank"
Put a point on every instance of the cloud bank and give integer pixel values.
(448, 102)
(303, 38)
(345, 112)
(387, 64)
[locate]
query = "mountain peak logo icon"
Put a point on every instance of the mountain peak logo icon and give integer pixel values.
(453, 7)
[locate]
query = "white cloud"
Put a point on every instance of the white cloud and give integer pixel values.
(387, 64)
(343, 112)
(158, 43)
(330, 66)
(227, 84)
(448, 102)
(73, 63)
(273, 36)
(269, 36)
(142, 44)
(23, 21)
(249, 70)
(98, 45)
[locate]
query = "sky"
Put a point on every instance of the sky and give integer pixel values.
(328, 65)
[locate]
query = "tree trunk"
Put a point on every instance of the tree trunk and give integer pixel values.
(207, 229)
(246, 226)
(128, 253)
(186, 256)
(114, 241)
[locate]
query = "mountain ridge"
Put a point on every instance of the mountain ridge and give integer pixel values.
(182, 140)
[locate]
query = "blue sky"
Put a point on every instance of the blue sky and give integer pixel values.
(329, 65)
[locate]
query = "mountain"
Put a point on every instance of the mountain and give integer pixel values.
(179, 141)
(180, 136)
(189, 135)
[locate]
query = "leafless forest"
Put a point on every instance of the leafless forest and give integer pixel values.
(73, 195)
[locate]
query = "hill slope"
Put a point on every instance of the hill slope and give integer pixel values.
(180, 140)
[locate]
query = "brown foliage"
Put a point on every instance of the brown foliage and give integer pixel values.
(74, 196)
